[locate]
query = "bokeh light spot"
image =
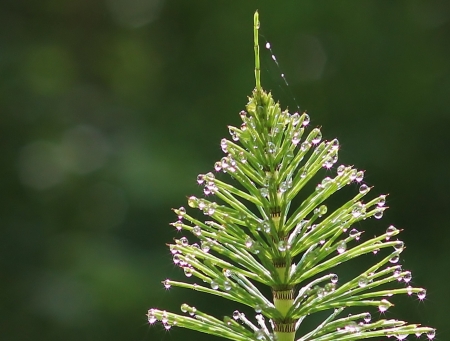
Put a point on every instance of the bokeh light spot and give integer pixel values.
(50, 70)
(83, 149)
(134, 13)
(39, 165)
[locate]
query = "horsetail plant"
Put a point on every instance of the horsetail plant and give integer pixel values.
(256, 237)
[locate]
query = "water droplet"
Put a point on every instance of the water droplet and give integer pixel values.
(224, 145)
(227, 285)
(271, 148)
(340, 170)
(234, 134)
(358, 209)
(176, 259)
(197, 230)
(192, 311)
(242, 158)
(321, 210)
(264, 191)
(295, 138)
(254, 248)
(341, 246)
(390, 231)
(334, 278)
(184, 308)
(352, 327)
(249, 242)
(282, 246)
(200, 178)
(363, 189)
(289, 155)
(367, 317)
(164, 318)
(206, 245)
(363, 281)
(399, 246)
(378, 214)
(232, 167)
(334, 144)
(407, 276)
(384, 305)
(289, 182)
(353, 233)
(329, 162)
(306, 119)
(188, 271)
(227, 320)
(236, 315)
(166, 283)
(178, 225)
(401, 336)
(214, 285)
(267, 179)
(394, 259)
(320, 292)
(325, 182)
(252, 122)
(431, 334)
(317, 136)
(210, 177)
(409, 290)
(224, 162)
(359, 176)
(211, 209)
(181, 212)
(422, 294)
(258, 309)
(305, 146)
(184, 241)
(151, 316)
(226, 272)
(218, 166)
(381, 201)
(268, 45)
(193, 202)
(295, 118)
(283, 187)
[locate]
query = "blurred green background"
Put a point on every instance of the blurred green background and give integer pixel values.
(109, 110)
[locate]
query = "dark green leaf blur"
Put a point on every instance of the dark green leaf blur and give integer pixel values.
(109, 110)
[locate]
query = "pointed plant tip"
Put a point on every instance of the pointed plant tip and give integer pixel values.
(256, 48)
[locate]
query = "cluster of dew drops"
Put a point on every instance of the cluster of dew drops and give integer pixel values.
(355, 327)
(228, 164)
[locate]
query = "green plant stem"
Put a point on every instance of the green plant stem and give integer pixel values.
(257, 65)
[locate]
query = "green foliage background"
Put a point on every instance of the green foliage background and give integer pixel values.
(109, 109)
